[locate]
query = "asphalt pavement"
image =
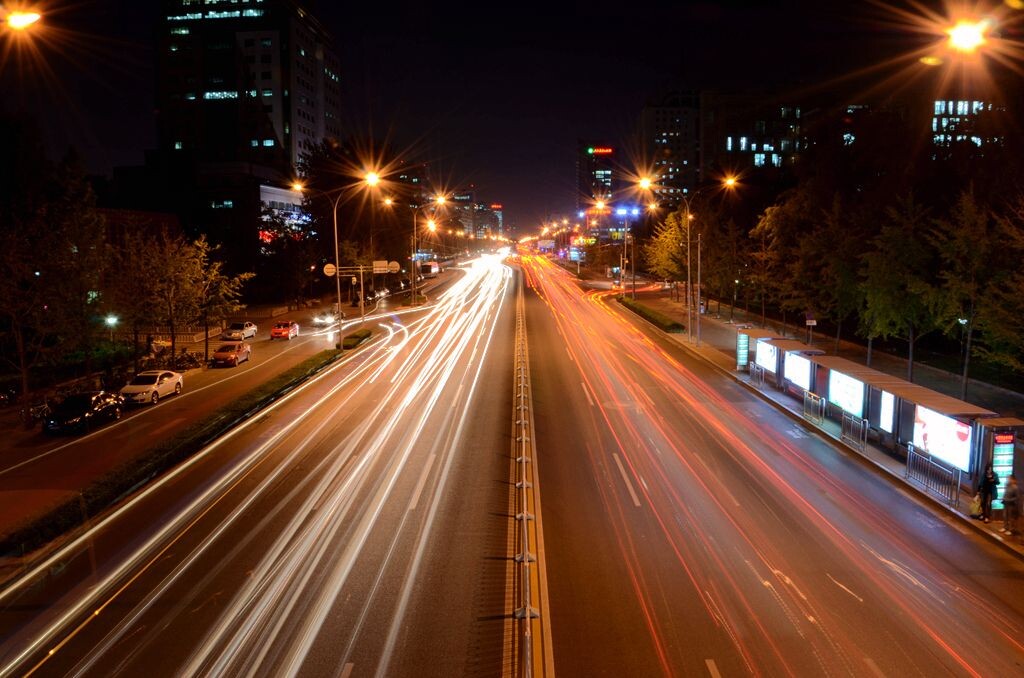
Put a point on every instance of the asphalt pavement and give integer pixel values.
(718, 347)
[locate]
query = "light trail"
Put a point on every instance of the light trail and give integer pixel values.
(686, 439)
(424, 375)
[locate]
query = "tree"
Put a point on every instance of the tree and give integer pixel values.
(52, 256)
(218, 294)
(897, 278)
(130, 287)
(663, 253)
(1000, 312)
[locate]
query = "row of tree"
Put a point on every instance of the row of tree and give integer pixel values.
(910, 272)
(64, 269)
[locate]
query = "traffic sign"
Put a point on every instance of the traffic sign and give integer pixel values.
(380, 265)
(393, 267)
(330, 270)
(354, 281)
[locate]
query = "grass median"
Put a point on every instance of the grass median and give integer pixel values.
(125, 479)
(664, 322)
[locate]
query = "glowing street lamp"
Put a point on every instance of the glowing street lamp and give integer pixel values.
(19, 21)
(967, 36)
(111, 322)
(370, 179)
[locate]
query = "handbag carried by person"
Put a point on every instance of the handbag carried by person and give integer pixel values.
(975, 506)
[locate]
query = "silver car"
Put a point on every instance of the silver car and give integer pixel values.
(152, 385)
(239, 331)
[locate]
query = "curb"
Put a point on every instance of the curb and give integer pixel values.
(868, 462)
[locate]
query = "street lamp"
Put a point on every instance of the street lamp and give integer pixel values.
(111, 322)
(370, 179)
(730, 183)
(967, 36)
(436, 202)
(19, 20)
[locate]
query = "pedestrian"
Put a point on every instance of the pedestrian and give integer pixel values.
(987, 489)
(1011, 505)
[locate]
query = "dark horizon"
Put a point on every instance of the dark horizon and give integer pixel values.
(490, 100)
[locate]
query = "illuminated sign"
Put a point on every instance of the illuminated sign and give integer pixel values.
(797, 369)
(942, 437)
(846, 393)
(767, 356)
(1002, 463)
(496, 206)
(886, 412)
(742, 350)
(599, 150)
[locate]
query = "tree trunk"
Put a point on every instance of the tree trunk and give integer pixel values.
(206, 337)
(871, 341)
(839, 330)
(967, 361)
(135, 347)
(910, 354)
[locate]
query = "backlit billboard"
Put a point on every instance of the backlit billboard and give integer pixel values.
(846, 393)
(798, 370)
(767, 356)
(942, 437)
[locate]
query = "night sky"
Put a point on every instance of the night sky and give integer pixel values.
(496, 98)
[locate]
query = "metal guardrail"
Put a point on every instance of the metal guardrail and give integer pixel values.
(814, 407)
(527, 612)
(936, 478)
(854, 431)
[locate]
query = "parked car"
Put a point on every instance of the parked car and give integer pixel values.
(239, 331)
(285, 330)
(232, 353)
(79, 412)
(152, 385)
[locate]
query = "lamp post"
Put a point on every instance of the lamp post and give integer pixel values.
(436, 202)
(729, 182)
(111, 322)
(371, 179)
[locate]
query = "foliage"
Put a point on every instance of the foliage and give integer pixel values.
(354, 339)
(661, 320)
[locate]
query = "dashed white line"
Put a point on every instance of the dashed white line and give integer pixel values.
(712, 668)
(587, 393)
(422, 480)
(625, 478)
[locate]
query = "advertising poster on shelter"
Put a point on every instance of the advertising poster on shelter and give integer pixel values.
(942, 437)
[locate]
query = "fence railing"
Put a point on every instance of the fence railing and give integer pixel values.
(814, 407)
(527, 612)
(855, 431)
(936, 478)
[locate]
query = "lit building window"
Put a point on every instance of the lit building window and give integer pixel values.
(268, 143)
(728, 143)
(743, 143)
(221, 94)
(178, 145)
(222, 204)
(848, 139)
(759, 160)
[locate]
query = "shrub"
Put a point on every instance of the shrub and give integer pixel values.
(355, 338)
(661, 320)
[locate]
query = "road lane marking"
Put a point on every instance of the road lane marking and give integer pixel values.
(859, 599)
(587, 393)
(347, 671)
(625, 478)
(712, 668)
(874, 667)
(422, 480)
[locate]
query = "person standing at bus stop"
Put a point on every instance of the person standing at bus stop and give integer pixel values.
(987, 489)
(1011, 505)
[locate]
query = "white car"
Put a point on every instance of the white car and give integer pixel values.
(152, 385)
(327, 317)
(239, 331)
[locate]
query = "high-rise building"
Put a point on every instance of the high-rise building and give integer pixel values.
(245, 80)
(670, 138)
(596, 174)
(743, 131)
(245, 88)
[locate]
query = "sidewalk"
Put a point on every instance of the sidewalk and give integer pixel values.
(718, 348)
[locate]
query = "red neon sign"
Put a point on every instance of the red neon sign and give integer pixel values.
(496, 206)
(602, 150)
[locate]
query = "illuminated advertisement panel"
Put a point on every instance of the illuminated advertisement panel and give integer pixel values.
(742, 350)
(1002, 462)
(798, 370)
(767, 356)
(886, 411)
(846, 393)
(942, 437)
